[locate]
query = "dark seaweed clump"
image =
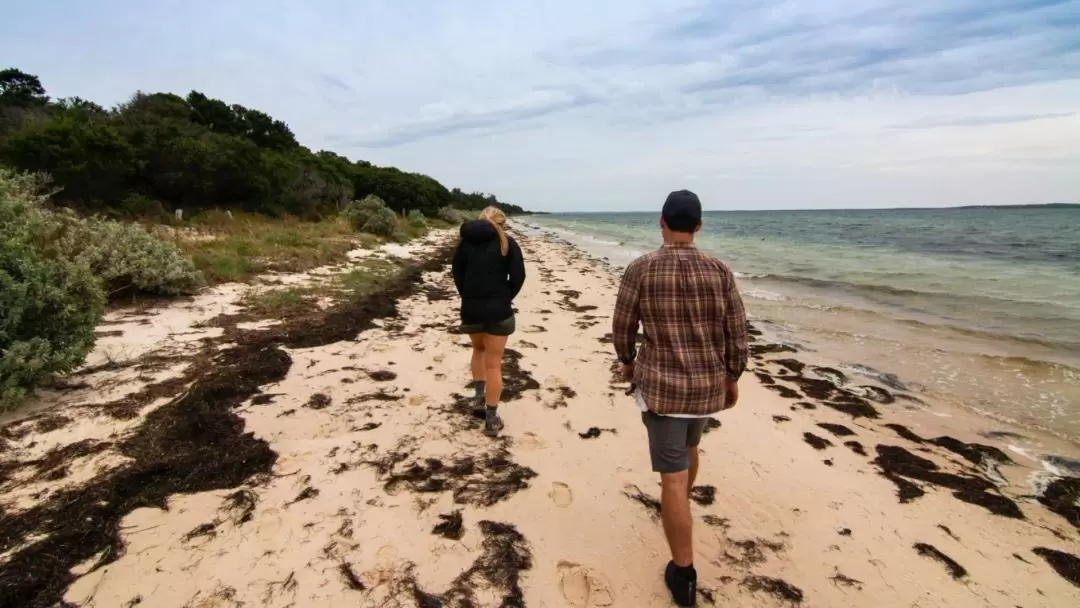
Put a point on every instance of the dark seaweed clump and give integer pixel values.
(505, 554)
(634, 493)
(818, 443)
(837, 429)
(451, 526)
(778, 588)
(1061, 497)
(896, 464)
(1065, 564)
(516, 380)
(703, 495)
(856, 447)
(975, 453)
(474, 480)
(785, 392)
(955, 570)
(594, 432)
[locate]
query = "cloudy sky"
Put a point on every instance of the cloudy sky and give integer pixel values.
(609, 105)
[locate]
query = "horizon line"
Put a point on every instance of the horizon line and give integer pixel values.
(947, 208)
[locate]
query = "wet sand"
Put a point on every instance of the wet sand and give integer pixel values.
(330, 460)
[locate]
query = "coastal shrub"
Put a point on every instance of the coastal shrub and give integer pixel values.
(49, 306)
(453, 216)
(383, 222)
(359, 212)
(125, 257)
(120, 255)
(417, 219)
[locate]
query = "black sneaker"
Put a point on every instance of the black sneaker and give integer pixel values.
(683, 587)
(492, 425)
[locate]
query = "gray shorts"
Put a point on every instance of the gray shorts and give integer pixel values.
(670, 440)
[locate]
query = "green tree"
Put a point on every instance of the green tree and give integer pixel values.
(19, 89)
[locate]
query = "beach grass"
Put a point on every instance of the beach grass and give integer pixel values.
(238, 248)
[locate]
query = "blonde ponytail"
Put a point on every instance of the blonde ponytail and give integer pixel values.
(498, 220)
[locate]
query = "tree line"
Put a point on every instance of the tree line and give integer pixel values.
(158, 152)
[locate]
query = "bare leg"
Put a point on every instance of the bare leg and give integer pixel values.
(675, 511)
(477, 357)
(493, 356)
(693, 466)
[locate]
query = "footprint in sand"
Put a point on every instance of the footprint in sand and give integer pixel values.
(530, 442)
(560, 494)
(583, 587)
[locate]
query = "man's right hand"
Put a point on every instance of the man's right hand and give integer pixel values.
(731, 394)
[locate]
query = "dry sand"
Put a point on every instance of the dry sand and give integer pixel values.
(331, 461)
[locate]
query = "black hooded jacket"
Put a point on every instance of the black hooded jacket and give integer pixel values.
(487, 280)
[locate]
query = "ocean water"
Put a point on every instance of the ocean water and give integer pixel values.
(979, 307)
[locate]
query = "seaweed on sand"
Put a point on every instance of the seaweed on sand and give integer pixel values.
(818, 443)
(975, 453)
(481, 480)
(905, 432)
(1065, 564)
(516, 380)
(838, 430)
(703, 495)
(653, 505)
(351, 580)
(785, 392)
(793, 365)
(896, 463)
(778, 588)
(450, 526)
(54, 465)
(1061, 497)
(955, 570)
(318, 401)
(193, 443)
(594, 432)
(764, 378)
(505, 554)
(840, 399)
(856, 447)
(569, 301)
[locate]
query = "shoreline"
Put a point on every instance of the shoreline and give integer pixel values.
(362, 477)
(951, 391)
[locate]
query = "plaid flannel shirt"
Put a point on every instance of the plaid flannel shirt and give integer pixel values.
(695, 329)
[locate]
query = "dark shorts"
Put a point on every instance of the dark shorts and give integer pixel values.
(505, 327)
(670, 440)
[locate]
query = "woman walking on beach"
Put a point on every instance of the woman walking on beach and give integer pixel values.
(489, 271)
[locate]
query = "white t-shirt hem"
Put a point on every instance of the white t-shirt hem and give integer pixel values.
(644, 408)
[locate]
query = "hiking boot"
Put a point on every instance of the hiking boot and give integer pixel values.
(682, 583)
(493, 424)
(479, 407)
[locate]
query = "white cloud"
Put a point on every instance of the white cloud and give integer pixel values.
(610, 105)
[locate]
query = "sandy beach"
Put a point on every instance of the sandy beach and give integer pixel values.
(205, 458)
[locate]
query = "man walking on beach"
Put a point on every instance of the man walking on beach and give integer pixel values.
(693, 352)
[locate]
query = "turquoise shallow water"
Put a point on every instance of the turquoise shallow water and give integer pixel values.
(979, 306)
